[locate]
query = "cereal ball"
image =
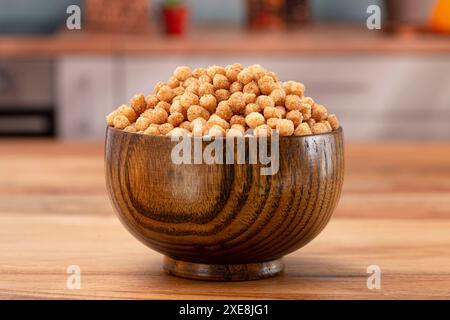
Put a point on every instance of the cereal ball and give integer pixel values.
(233, 132)
(158, 86)
(294, 88)
(121, 122)
(274, 76)
(295, 116)
(193, 88)
(285, 127)
(198, 72)
(252, 87)
(182, 73)
(213, 70)
(272, 112)
(224, 110)
(293, 102)
(165, 128)
(334, 122)
(221, 82)
(327, 124)
(251, 107)
(232, 71)
(110, 118)
(306, 112)
(178, 132)
(130, 128)
(272, 122)
(216, 131)
(189, 81)
(307, 101)
(173, 82)
(151, 101)
(278, 96)
(237, 120)
(204, 79)
(185, 125)
(254, 119)
(266, 85)
(236, 102)
(165, 93)
(239, 127)
(196, 111)
(262, 131)
(245, 76)
(153, 130)
(197, 122)
(319, 127)
(198, 127)
(163, 105)
(178, 91)
(216, 120)
(302, 130)
(257, 71)
(281, 110)
(209, 102)
(142, 123)
(249, 98)
(158, 116)
(205, 88)
(127, 112)
(311, 122)
(138, 103)
(265, 101)
(176, 107)
(188, 99)
(222, 94)
(236, 87)
(319, 112)
(175, 119)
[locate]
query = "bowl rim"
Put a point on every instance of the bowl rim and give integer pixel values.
(338, 131)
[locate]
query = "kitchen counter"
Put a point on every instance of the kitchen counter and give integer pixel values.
(319, 39)
(54, 212)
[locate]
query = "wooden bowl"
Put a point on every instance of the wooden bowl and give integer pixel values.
(223, 221)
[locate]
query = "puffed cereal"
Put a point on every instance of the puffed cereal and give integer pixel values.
(302, 129)
(182, 73)
(219, 101)
(285, 127)
(295, 116)
(254, 119)
(196, 111)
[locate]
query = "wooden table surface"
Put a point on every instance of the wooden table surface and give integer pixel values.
(394, 213)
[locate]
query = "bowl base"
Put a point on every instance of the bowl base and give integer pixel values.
(223, 272)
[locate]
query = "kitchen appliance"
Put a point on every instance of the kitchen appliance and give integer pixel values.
(26, 103)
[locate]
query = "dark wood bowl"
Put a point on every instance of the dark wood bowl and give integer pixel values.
(223, 221)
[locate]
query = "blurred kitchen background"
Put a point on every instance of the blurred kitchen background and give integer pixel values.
(386, 84)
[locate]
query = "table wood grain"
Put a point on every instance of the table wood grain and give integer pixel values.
(54, 212)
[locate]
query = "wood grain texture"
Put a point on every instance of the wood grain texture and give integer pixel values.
(223, 213)
(394, 211)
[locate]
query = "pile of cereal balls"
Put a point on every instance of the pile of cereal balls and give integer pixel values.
(224, 101)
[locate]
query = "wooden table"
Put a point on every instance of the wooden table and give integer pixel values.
(54, 212)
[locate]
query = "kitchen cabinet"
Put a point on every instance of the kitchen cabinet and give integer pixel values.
(86, 90)
(376, 97)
